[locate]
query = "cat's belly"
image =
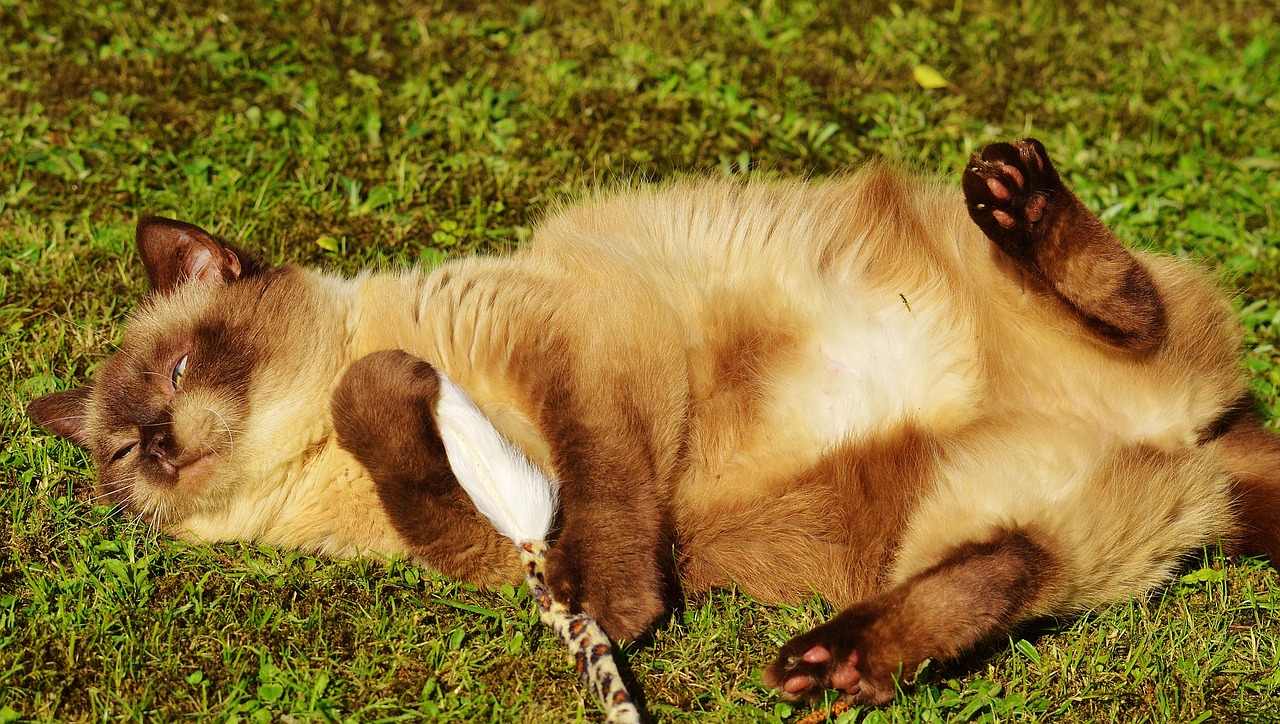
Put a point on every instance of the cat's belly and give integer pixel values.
(863, 364)
(853, 366)
(873, 361)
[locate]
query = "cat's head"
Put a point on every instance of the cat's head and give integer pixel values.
(190, 407)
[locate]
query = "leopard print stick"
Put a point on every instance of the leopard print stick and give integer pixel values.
(588, 646)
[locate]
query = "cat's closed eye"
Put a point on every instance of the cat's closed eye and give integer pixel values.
(119, 454)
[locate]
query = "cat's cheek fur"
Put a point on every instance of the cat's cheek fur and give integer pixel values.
(207, 423)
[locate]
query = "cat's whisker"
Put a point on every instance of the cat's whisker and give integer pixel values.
(132, 497)
(120, 512)
(127, 505)
(231, 441)
(115, 509)
(93, 499)
(148, 515)
(121, 486)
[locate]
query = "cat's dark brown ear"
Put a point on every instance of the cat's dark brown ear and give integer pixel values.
(175, 252)
(63, 414)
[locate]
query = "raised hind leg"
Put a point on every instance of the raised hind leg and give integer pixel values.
(1015, 196)
(1251, 455)
(978, 590)
(1059, 522)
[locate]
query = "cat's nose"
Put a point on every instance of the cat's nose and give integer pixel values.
(157, 446)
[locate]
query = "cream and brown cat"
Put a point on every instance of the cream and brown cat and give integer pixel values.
(947, 413)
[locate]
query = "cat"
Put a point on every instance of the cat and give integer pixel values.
(947, 411)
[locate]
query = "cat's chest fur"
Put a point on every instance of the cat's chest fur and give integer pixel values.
(874, 361)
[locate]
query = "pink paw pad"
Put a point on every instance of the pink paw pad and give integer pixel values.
(998, 189)
(797, 684)
(1013, 173)
(1007, 188)
(817, 655)
(846, 676)
(843, 676)
(1035, 208)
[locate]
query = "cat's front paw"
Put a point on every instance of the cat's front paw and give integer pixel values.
(382, 413)
(615, 587)
(1009, 189)
(831, 656)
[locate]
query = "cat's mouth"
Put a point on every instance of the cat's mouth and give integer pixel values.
(189, 473)
(162, 494)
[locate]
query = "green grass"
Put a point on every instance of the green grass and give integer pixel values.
(343, 134)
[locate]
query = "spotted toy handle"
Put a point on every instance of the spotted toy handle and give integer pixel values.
(589, 647)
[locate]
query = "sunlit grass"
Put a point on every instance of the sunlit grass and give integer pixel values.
(347, 134)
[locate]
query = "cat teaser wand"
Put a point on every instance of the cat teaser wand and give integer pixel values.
(519, 500)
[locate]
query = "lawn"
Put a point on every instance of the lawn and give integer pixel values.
(345, 134)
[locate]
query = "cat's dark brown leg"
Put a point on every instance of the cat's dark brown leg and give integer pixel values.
(1015, 196)
(1252, 455)
(382, 413)
(980, 589)
(612, 557)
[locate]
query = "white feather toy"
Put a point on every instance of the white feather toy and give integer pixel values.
(520, 502)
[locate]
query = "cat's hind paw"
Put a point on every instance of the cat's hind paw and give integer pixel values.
(1009, 189)
(828, 657)
(806, 676)
(621, 589)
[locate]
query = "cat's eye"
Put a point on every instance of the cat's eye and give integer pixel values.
(179, 370)
(123, 451)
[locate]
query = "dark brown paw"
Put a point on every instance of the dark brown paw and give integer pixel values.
(620, 591)
(382, 413)
(1009, 189)
(831, 656)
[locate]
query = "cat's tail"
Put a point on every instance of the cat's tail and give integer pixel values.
(1252, 455)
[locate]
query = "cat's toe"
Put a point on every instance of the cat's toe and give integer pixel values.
(803, 671)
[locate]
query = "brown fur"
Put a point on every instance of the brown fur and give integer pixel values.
(844, 387)
(382, 416)
(979, 589)
(175, 252)
(1063, 244)
(610, 555)
(856, 499)
(1253, 456)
